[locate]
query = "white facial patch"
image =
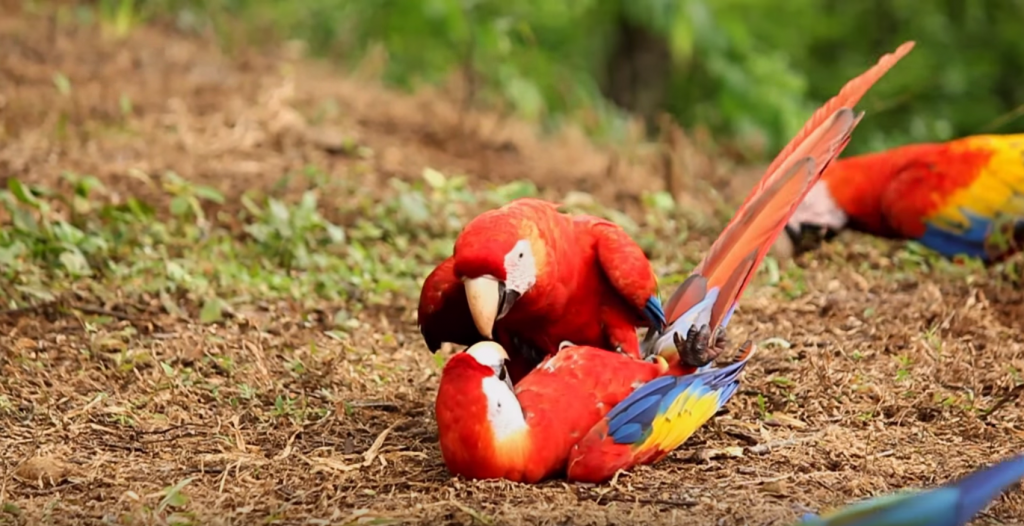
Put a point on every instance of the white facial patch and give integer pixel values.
(520, 267)
(819, 208)
(503, 410)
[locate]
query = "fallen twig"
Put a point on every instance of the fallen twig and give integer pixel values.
(759, 449)
(374, 404)
(1003, 400)
(470, 511)
(98, 311)
(31, 309)
(616, 496)
(371, 454)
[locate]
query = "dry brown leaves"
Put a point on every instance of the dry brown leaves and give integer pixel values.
(880, 387)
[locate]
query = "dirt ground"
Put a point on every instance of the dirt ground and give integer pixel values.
(885, 382)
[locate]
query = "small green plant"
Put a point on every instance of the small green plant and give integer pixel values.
(118, 17)
(904, 371)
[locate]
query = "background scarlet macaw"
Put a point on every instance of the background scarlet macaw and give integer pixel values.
(952, 504)
(963, 197)
(588, 412)
(530, 277)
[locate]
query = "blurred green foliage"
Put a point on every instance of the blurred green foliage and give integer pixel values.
(751, 71)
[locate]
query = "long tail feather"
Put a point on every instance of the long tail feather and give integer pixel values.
(654, 420)
(734, 257)
(952, 504)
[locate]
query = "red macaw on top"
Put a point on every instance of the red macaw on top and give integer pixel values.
(587, 412)
(530, 277)
(963, 197)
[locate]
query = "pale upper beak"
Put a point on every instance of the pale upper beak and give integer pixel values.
(481, 350)
(489, 300)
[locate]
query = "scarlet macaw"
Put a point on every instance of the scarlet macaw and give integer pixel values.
(952, 504)
(589, 413)
(530, 277)
(963, 197)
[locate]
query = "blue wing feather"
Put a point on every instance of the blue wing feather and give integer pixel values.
(625, 420)
(629, 422)
(951, 243)
(969, 240)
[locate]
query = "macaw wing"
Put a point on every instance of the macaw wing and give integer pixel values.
(443, 314)
(628, 269)
(653, 421)
(710, 299)
(734, 257)
(822, 138)
(953, 504)
(967, 199)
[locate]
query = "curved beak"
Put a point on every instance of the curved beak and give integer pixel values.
(489, 301)
(503, 374)
(809, 237)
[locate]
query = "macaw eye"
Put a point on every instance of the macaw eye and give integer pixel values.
(502, 374)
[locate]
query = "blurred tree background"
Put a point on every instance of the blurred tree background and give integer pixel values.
(748, 71)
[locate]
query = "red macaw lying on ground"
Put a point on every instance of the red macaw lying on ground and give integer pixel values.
(963, 197)
(587, 412)
(528, 433)
(529, 277)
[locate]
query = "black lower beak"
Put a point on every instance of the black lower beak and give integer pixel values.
(809, 237)
(506, 298)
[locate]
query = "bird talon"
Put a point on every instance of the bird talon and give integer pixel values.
(721, 340)
(697, 349)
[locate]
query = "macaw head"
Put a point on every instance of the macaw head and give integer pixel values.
(817, 219)
(480, 422)
(498, 258)
(489, 359)
(851, 193)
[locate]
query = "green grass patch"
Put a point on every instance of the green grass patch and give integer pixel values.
(189, 247)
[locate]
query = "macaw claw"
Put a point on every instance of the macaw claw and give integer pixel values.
(696, 350)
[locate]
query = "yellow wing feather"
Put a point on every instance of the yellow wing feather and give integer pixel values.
(682, 419)
(997, 191)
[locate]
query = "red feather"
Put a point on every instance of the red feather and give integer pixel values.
(746, 239)
(923, 176)
(962, 197)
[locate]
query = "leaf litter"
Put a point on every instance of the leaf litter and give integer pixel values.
(888, 370)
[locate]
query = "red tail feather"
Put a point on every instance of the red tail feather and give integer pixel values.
(746, 239)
